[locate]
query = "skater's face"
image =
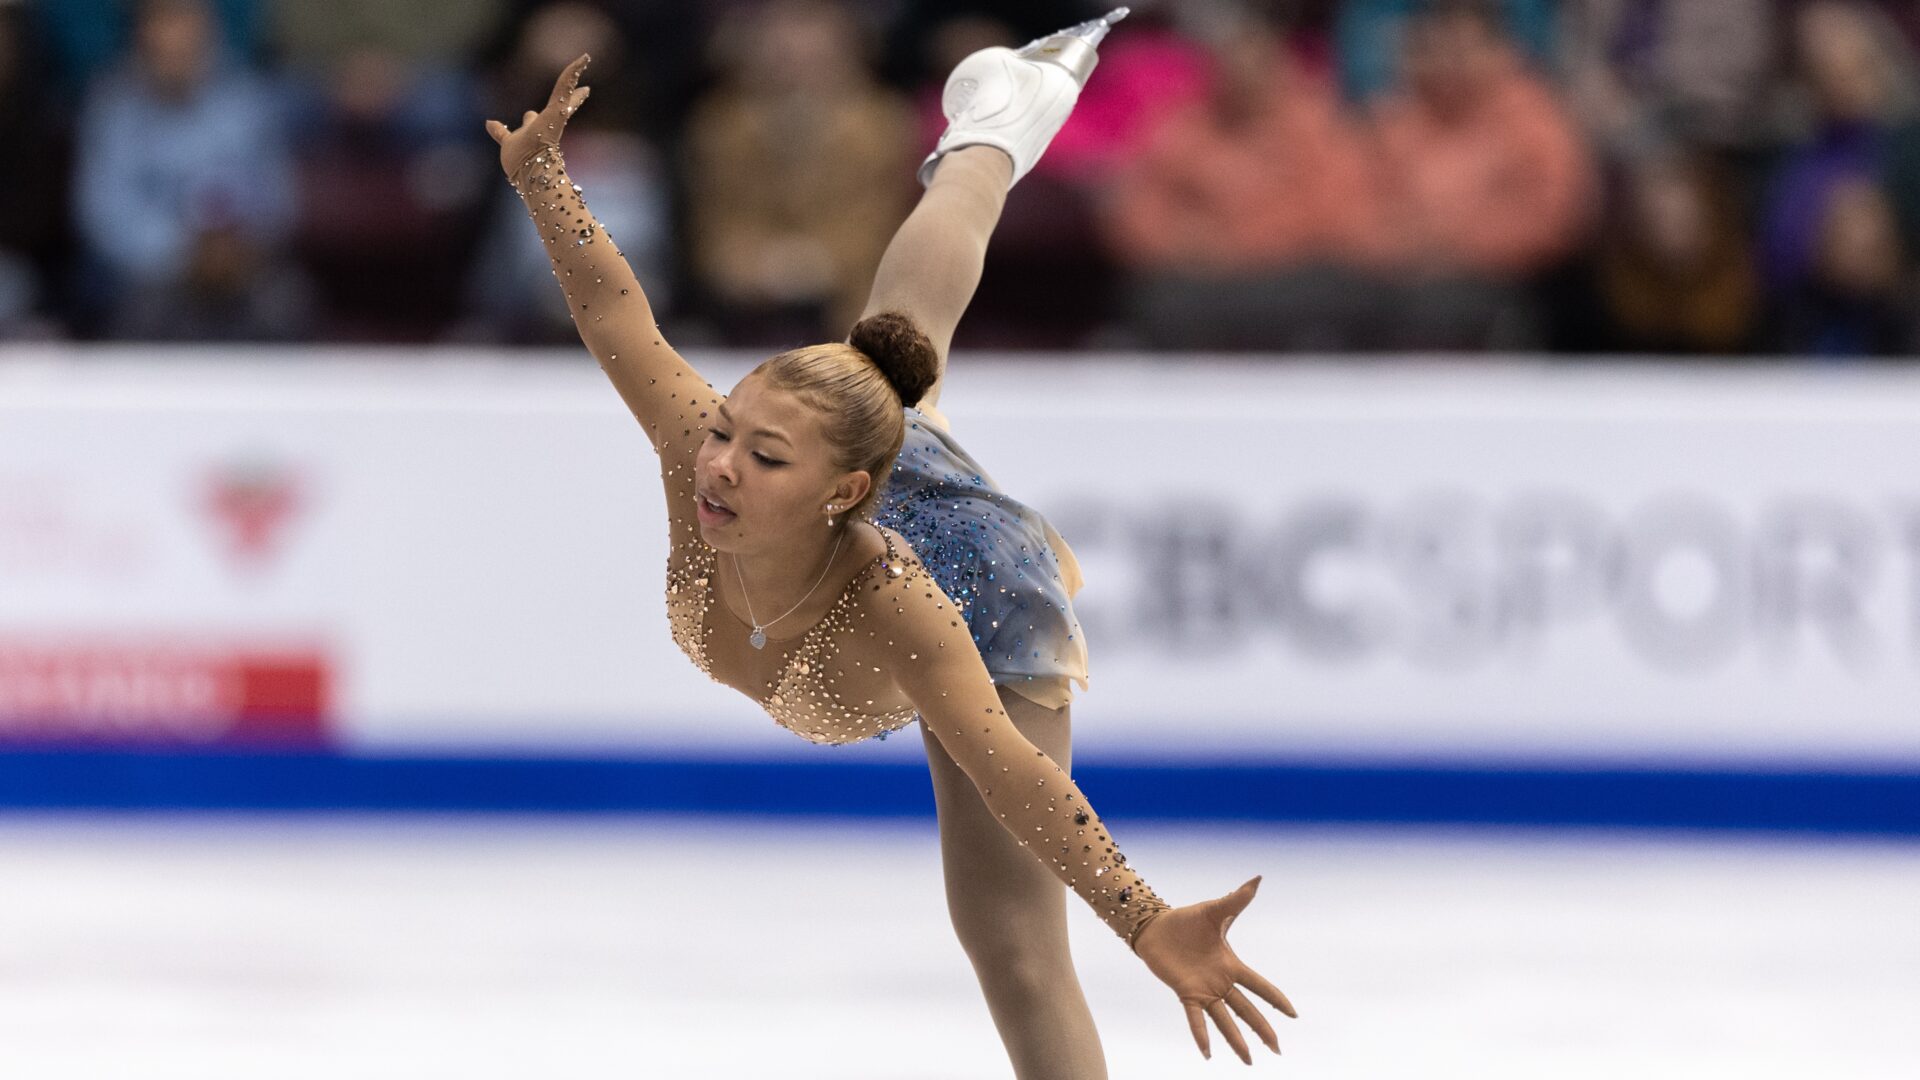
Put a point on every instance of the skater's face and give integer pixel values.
(766, 471)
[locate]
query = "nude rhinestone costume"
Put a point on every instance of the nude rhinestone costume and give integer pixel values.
(995, 577)
(1012, 576)
(992, 557)
(807, 697)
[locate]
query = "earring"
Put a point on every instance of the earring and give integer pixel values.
(830, 509)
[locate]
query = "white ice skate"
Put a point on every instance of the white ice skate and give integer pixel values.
(1017, 99)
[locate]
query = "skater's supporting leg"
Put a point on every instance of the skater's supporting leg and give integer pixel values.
(1010, 913)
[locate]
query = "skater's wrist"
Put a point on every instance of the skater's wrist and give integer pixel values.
(539, 173)
(1139, 930)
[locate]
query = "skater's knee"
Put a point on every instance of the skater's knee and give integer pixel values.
(1014, 947)
(1022, 973)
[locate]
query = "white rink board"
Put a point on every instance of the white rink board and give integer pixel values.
(1409, 558)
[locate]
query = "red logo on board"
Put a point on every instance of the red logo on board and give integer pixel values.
(252, 504)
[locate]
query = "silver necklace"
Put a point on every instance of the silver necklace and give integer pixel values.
(758, 639)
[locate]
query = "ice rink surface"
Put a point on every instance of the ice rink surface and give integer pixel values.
(342, 947)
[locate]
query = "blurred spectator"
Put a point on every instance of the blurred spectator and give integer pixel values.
(1856, 300)
(1242, 206)
(1902, 16)
(512, 296)
(799, 168)
(1861, 89)
(33, 194)
(439, 33)
(185, 189)
(1485, 178)
(1264, 171)
(663, 47)
(1641, 73)
(90, 36)
(230, 289)
(388, 192)
(1675, 270)
(1213, 189)
(1370, 38)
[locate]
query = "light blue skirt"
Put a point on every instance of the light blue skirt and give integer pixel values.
(1011, 574)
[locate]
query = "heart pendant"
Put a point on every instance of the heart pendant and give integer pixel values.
(757, 639)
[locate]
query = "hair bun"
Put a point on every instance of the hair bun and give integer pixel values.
(901, 351)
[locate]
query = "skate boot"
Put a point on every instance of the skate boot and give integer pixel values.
(1017, 99)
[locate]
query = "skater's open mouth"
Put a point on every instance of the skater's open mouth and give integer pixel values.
(711, 511)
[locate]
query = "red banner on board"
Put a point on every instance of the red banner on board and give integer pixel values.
(145, 693)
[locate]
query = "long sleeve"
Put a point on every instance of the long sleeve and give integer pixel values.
(610, 309)
(936, 665)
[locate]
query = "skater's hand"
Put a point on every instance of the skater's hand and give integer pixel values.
(541, 130)
(1187, 948)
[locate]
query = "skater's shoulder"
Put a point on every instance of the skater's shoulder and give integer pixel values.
(913, 619)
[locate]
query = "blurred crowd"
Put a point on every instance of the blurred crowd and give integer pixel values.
(1699, 177)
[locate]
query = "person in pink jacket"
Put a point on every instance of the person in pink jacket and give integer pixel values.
(1485, 173)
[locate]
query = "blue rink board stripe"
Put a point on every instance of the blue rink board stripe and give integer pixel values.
(1280, 791)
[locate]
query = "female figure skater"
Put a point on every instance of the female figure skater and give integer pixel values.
(837, 557)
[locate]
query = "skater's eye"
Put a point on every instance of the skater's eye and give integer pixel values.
(757, 456)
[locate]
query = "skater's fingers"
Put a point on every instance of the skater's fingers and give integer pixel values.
(1224, 1021)
(1244, 1009)
(1253, 981)
(529, 117)
(1197, 1021)
(498, 130)
(574, 99)
(1235, 902)
(569, 78)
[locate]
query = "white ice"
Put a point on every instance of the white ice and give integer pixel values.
(334, 948)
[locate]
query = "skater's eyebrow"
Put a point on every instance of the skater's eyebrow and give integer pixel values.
(768, 432)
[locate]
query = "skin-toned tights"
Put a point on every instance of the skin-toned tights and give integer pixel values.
(932, 266)
(1010, 914)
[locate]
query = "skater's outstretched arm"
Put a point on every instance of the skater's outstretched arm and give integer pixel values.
(932, 266)
(607, 303)
(938, 668)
